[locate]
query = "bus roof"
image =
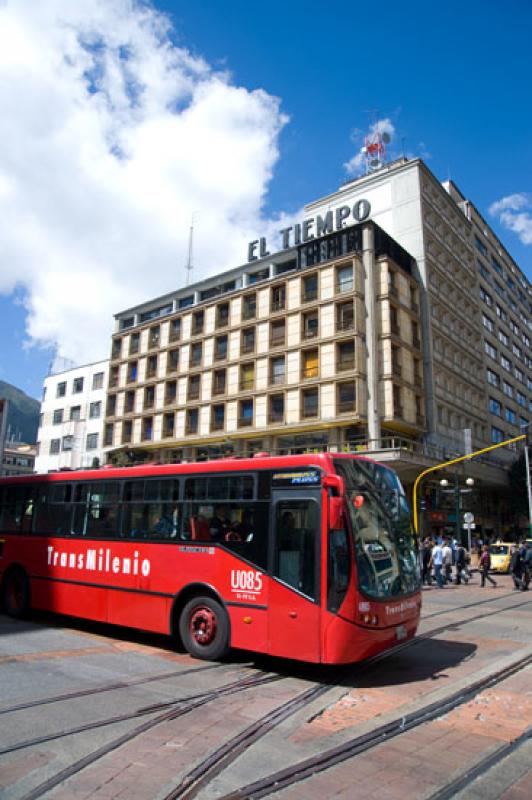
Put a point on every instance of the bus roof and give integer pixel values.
(230, 464)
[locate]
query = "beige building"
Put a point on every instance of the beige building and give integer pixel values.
(278, 356)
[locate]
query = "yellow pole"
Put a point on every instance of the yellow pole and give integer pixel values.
(448, 464)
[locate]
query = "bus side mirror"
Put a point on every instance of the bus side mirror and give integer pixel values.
(336, 513)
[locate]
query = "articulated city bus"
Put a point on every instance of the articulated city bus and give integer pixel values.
(310, 557)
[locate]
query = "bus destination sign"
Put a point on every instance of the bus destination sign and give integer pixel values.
(303, 477)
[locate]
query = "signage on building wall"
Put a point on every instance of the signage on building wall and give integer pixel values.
(312, 228)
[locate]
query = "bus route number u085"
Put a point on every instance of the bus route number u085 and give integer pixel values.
(246, 582)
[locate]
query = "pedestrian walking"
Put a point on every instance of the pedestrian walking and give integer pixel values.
(426, 550)
(485, 566)
(461, 565)
(447, 561)
(436, 561)
(516, 567)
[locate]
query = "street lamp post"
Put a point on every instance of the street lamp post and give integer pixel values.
(458, 500)
(526, 430)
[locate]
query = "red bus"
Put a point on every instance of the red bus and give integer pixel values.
(310, 557)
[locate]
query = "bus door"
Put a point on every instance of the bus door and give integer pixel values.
(293, 607)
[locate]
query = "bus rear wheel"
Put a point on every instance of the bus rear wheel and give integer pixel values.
(204, 628)
(16, 593)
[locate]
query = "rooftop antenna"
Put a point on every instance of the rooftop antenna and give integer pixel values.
(189, 267)
(375, 145)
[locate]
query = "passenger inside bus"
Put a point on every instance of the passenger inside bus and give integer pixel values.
(220, 524)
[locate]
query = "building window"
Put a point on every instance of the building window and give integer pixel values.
(127, 431)
(168, 425)
(110, 409)
(277, 370)
(193, 392)
(247, 376)
(129, 401)
(249, 306)
(396, 362)
(488, 323)
(346, 397)
(490, 350)
(504, 338)
(508, 389)
(344, 279)
(77, 385)
(278, 298)
(108, 434)
(195, 354)
(495, 407)
(309, 288)
(397, 404)
(132, 371)
(248, 340)
(309, 366)
(149, 397)
(58, 416)
(345, 317)
(416, 342)
(172, 361)
(222, 315)
(197, 322)
(277, 333)
(116, 348)
(61, 389)
(245, 417)
(310, 324)
(75, 413)
(97, 380)
(309, 403)
(113, 377)
(218, 418)
(510, 416)
(151, 367)
(492, 377)
(496, 435)
(276, 408)
(154, 337)
(481, 247)
(218, 382)
(134, 343)
(147, 428)
(170, 393)
(506, 363)
(55, 447)
(414, 303)
(67, 443)
(345, 356)
(175, 330)
(220, 348)
(521, 399)
(191, 425)
(92, 441)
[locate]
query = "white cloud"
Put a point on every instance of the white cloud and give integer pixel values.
(515, 213)
(357, 164)
(111, 138)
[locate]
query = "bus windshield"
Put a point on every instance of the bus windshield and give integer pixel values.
(386, 554)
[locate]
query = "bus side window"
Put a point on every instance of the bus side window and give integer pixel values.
(337, 569)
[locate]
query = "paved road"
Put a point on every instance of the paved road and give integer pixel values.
(164, 712)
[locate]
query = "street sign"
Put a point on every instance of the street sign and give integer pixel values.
(469, 518)
(469, 526)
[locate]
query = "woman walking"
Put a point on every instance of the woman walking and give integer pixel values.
(485, 566)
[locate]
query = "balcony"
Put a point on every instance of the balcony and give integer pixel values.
(309, 372)
(345, 406)
(277, 340)
(246, 384)
(245, 422)
(397, 370)
(217, 424)
(193, 394)
(344, 364)
(416, 342)
(277, 379)
(276, 417)
(345, 324)
(190, 428)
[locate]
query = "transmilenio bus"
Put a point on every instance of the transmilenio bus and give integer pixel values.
(310, 557)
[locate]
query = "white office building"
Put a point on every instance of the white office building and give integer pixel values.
(70, 432)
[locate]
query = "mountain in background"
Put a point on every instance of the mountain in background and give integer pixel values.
(23, 414)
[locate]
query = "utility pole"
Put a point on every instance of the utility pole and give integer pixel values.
(526, 430)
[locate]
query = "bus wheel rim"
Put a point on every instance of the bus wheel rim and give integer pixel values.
(203, 626)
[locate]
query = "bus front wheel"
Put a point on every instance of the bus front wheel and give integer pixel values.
(204, 628)
(16, 593)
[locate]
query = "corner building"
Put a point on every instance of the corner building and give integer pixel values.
(406, 335)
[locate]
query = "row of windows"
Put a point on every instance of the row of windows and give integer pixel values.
(345, 321)
(505, 362)
(309, 293)
(77, 385)
(66, 443)
(504, 338)
(502, 315)
(74, 414)
(309, 408)
(495, 407)
(510, 391)
(510, 283)
(277, 375)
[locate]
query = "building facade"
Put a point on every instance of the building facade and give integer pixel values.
(70, 432)
(405, 334)
(18, 459)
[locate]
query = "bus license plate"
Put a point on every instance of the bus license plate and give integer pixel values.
(400, 632)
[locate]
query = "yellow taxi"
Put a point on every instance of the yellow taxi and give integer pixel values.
(501, 555)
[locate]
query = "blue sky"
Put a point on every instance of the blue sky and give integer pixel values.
(454, 79)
